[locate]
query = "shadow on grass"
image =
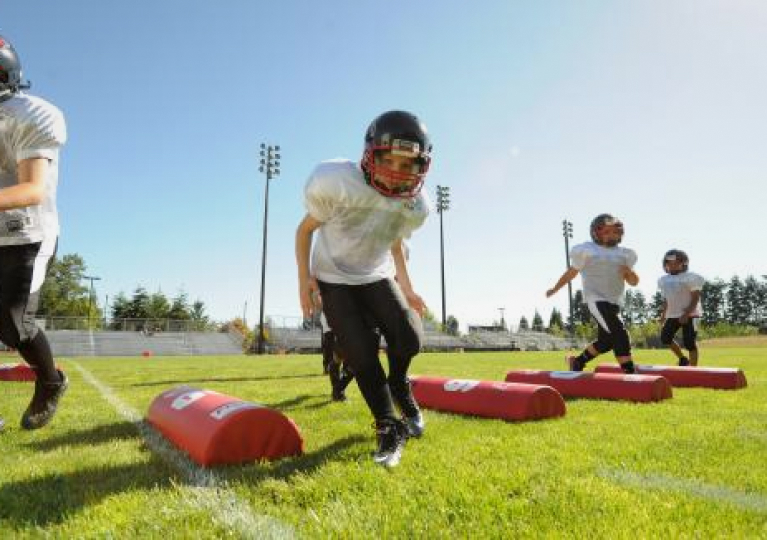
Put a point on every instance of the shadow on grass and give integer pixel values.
(49, 500)
(97, 435)
(229, 379)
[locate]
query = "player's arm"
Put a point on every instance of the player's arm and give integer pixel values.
(694, 299)
(664, 309)
(403, 278)
(629, 276)
(30, 190)
(564, 279)
(307, 285)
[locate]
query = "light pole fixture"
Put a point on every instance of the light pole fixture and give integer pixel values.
(443, 204)
(90, 296)
(567, 232)
(270, 166)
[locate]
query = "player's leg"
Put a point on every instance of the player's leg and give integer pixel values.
(22, 271)
(344, 309)
(327, 344)
(690, 339)
(401, 327)
(602, 344)
(667, 333)
(608, 317)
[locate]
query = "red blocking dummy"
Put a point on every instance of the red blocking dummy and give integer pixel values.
(216, 429)
(490, 399)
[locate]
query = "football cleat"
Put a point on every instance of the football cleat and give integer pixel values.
(574, 364)
(684, 361)
(44, 402)
(411, 413)
(2, 424)
(391, 436)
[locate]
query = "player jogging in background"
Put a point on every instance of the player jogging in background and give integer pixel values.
(31, 133)
(605, 268)
(681, 305)
(362, 212)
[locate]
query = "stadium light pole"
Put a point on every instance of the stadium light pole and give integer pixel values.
(90, 296)
(443, 204)
(270, 166)
(567, 232)
(503, 322)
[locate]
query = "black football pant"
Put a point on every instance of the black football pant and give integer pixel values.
(354, 312)
(22, 272)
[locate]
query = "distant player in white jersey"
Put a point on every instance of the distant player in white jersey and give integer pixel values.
(605, 269)
(31, 133)
(681, 305)
(362, 212)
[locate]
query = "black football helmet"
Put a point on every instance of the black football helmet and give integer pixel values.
(10, 70)
(604, 223)
(676, 255)
(403, 134)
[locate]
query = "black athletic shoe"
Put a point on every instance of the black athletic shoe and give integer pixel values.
(44, 402)
(684, 362)
(574, 364)
(391, 436)
(411, 413)
(338, 395)
(2, 424)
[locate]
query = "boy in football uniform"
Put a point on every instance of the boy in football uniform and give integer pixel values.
(31, 133)
(362, 212)
(681, 305)
(605, 268)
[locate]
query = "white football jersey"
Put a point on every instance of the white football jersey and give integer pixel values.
(600, 270)
(677, 290)
(30, 127)
(359, 225)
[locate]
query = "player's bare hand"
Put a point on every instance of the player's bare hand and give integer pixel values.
(309, 294)
(415, 302)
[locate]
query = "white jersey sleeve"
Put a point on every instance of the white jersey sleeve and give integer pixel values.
(39, 134)
(694, 281)
(579, 256)
(631, 257)
(321, 194)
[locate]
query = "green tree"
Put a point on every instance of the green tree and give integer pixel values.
(581, 313)
(737, 310)
(179, 307)
(452, 326)
(751, 299)
(157, 306)
(523, 324)
(63, 293)
(655, 309)
(537, 322)
(712, 300)
(555, 321)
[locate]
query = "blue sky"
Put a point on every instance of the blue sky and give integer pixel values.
(654, 111)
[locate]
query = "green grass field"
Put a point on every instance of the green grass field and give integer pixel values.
(690, 467)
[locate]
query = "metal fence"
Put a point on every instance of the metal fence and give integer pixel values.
(148, 326)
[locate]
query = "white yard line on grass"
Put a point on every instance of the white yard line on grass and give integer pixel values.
(709, 492)
(205, 490)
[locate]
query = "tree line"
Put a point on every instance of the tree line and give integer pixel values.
(65, 294)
